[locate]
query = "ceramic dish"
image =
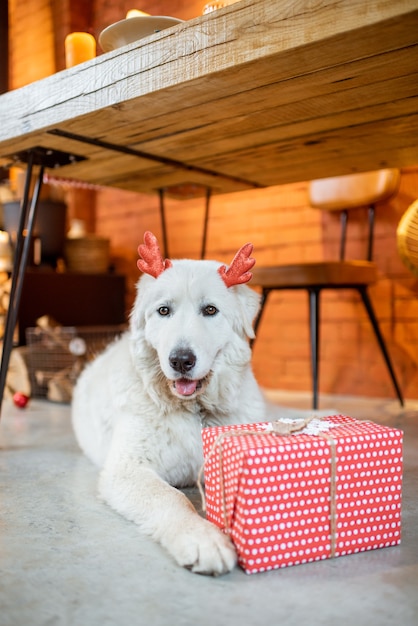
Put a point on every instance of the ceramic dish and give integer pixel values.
(130, 30)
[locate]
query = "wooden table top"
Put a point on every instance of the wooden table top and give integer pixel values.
(260, 93)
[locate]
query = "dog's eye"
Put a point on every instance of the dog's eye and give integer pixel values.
(209, 310)
(164, 310)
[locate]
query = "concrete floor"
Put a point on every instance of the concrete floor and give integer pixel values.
(67, 559)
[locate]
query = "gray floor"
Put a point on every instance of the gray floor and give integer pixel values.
(67, 559)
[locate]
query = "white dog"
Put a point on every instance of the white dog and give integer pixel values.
(138, 409)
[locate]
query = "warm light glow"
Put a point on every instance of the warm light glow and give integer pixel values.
(214, 6)
(79, 47)
(136, 13)
(16, 175)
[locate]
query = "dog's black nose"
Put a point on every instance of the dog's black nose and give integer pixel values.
(182, 360)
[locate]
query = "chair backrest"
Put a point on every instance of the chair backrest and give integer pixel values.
(343, 193)
(354, 190)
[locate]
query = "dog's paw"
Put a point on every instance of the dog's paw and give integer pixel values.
(203, 549)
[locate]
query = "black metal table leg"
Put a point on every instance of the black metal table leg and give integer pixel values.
(23, 240)
(205, 223)
(44, 157)
(163, 222)
(208, 196)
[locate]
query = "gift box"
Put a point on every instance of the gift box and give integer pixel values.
(331, 488)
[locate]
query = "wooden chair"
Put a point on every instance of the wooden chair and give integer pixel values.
(341, 194)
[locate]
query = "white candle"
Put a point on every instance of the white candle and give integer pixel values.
(79, 47)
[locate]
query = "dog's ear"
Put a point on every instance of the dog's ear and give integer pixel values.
(249, 304)
(137, 315)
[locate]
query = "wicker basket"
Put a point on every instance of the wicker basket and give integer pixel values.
(89, 254)
(407, 238)
(56, 356)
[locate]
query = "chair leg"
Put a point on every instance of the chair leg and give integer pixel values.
(370, 311)
(314, 295)
(263, 302)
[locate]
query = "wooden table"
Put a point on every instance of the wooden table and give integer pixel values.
(260, 93)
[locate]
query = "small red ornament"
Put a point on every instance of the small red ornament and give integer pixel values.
(20, 399)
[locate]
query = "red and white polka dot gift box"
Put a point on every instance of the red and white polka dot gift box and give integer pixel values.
(331, 489)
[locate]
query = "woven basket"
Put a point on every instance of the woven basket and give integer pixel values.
(407, 238)
(57, 355)
(88, 254)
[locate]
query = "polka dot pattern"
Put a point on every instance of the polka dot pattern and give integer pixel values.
(276, 499)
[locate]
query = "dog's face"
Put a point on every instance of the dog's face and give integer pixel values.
(189, 317)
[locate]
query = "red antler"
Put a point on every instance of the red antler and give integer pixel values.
(238, 272)
(151, 262)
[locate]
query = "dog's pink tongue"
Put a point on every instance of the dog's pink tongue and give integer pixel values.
(186, 387)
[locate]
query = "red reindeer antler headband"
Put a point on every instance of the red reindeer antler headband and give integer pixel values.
(238, 272)
(152, 262)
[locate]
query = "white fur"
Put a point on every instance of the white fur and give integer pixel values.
(144, 434)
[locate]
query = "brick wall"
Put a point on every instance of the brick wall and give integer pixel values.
(283, 228)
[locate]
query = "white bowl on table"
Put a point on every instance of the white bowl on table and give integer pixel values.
(132, 29)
